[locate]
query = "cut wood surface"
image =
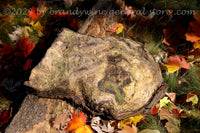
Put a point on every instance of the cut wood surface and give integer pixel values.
(111, 76)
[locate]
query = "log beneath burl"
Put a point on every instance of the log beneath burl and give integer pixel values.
(37, 115)
(109, 76)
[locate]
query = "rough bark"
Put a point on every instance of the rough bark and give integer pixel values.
(37, 115)
(116, 77)
(104, 14)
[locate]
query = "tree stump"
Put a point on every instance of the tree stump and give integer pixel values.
(110, 76)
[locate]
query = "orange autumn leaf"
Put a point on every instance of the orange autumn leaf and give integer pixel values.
(116, 28)
(32, 14)
(76, 122)
(175, 63)
(192, 37)
(84, 129)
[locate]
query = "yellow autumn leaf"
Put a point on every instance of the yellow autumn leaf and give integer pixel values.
(164, 102)
(37, 26)
(131, 120)
(120, 29)
(172, 68)
(84, 129)
(117, 28)
(196, 45)
(138, 119)
(26, 30)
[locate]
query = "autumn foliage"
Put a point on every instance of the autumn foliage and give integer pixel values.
(77, 124)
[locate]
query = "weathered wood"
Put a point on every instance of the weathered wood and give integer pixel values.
(37, 115)
(116, 77)
(104, 14)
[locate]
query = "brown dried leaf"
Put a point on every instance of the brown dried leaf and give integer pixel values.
(61, 120)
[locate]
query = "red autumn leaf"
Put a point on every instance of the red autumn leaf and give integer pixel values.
(73, 23)
(4, 117)
(76, 122)
(175, 111)
(27, 64)
(32, 14)
(154, 110)
(115, 27)
(7, 49)
(25, 46)
(176, 62)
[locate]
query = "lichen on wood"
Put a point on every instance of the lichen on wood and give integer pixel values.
(113, 76)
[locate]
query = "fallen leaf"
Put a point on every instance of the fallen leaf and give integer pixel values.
(37, 26)
(107, 128)
(154, 110)
(76, 122)
(16, 34)
(7, 49)
(27, 64)
(84, 129)
(26, 30)
(95, 124)
(137, 119)
(175, 63)
(172, 96)
(61, 120)
(192, 98)
(25, 46)
(32, 14)
(128, 129)
(131, 120)
(196, 45)
(192, 37)
(4, 117)
(173, 124)
(116, 28)
(120, 29)
(101, 126)
(163, 102)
